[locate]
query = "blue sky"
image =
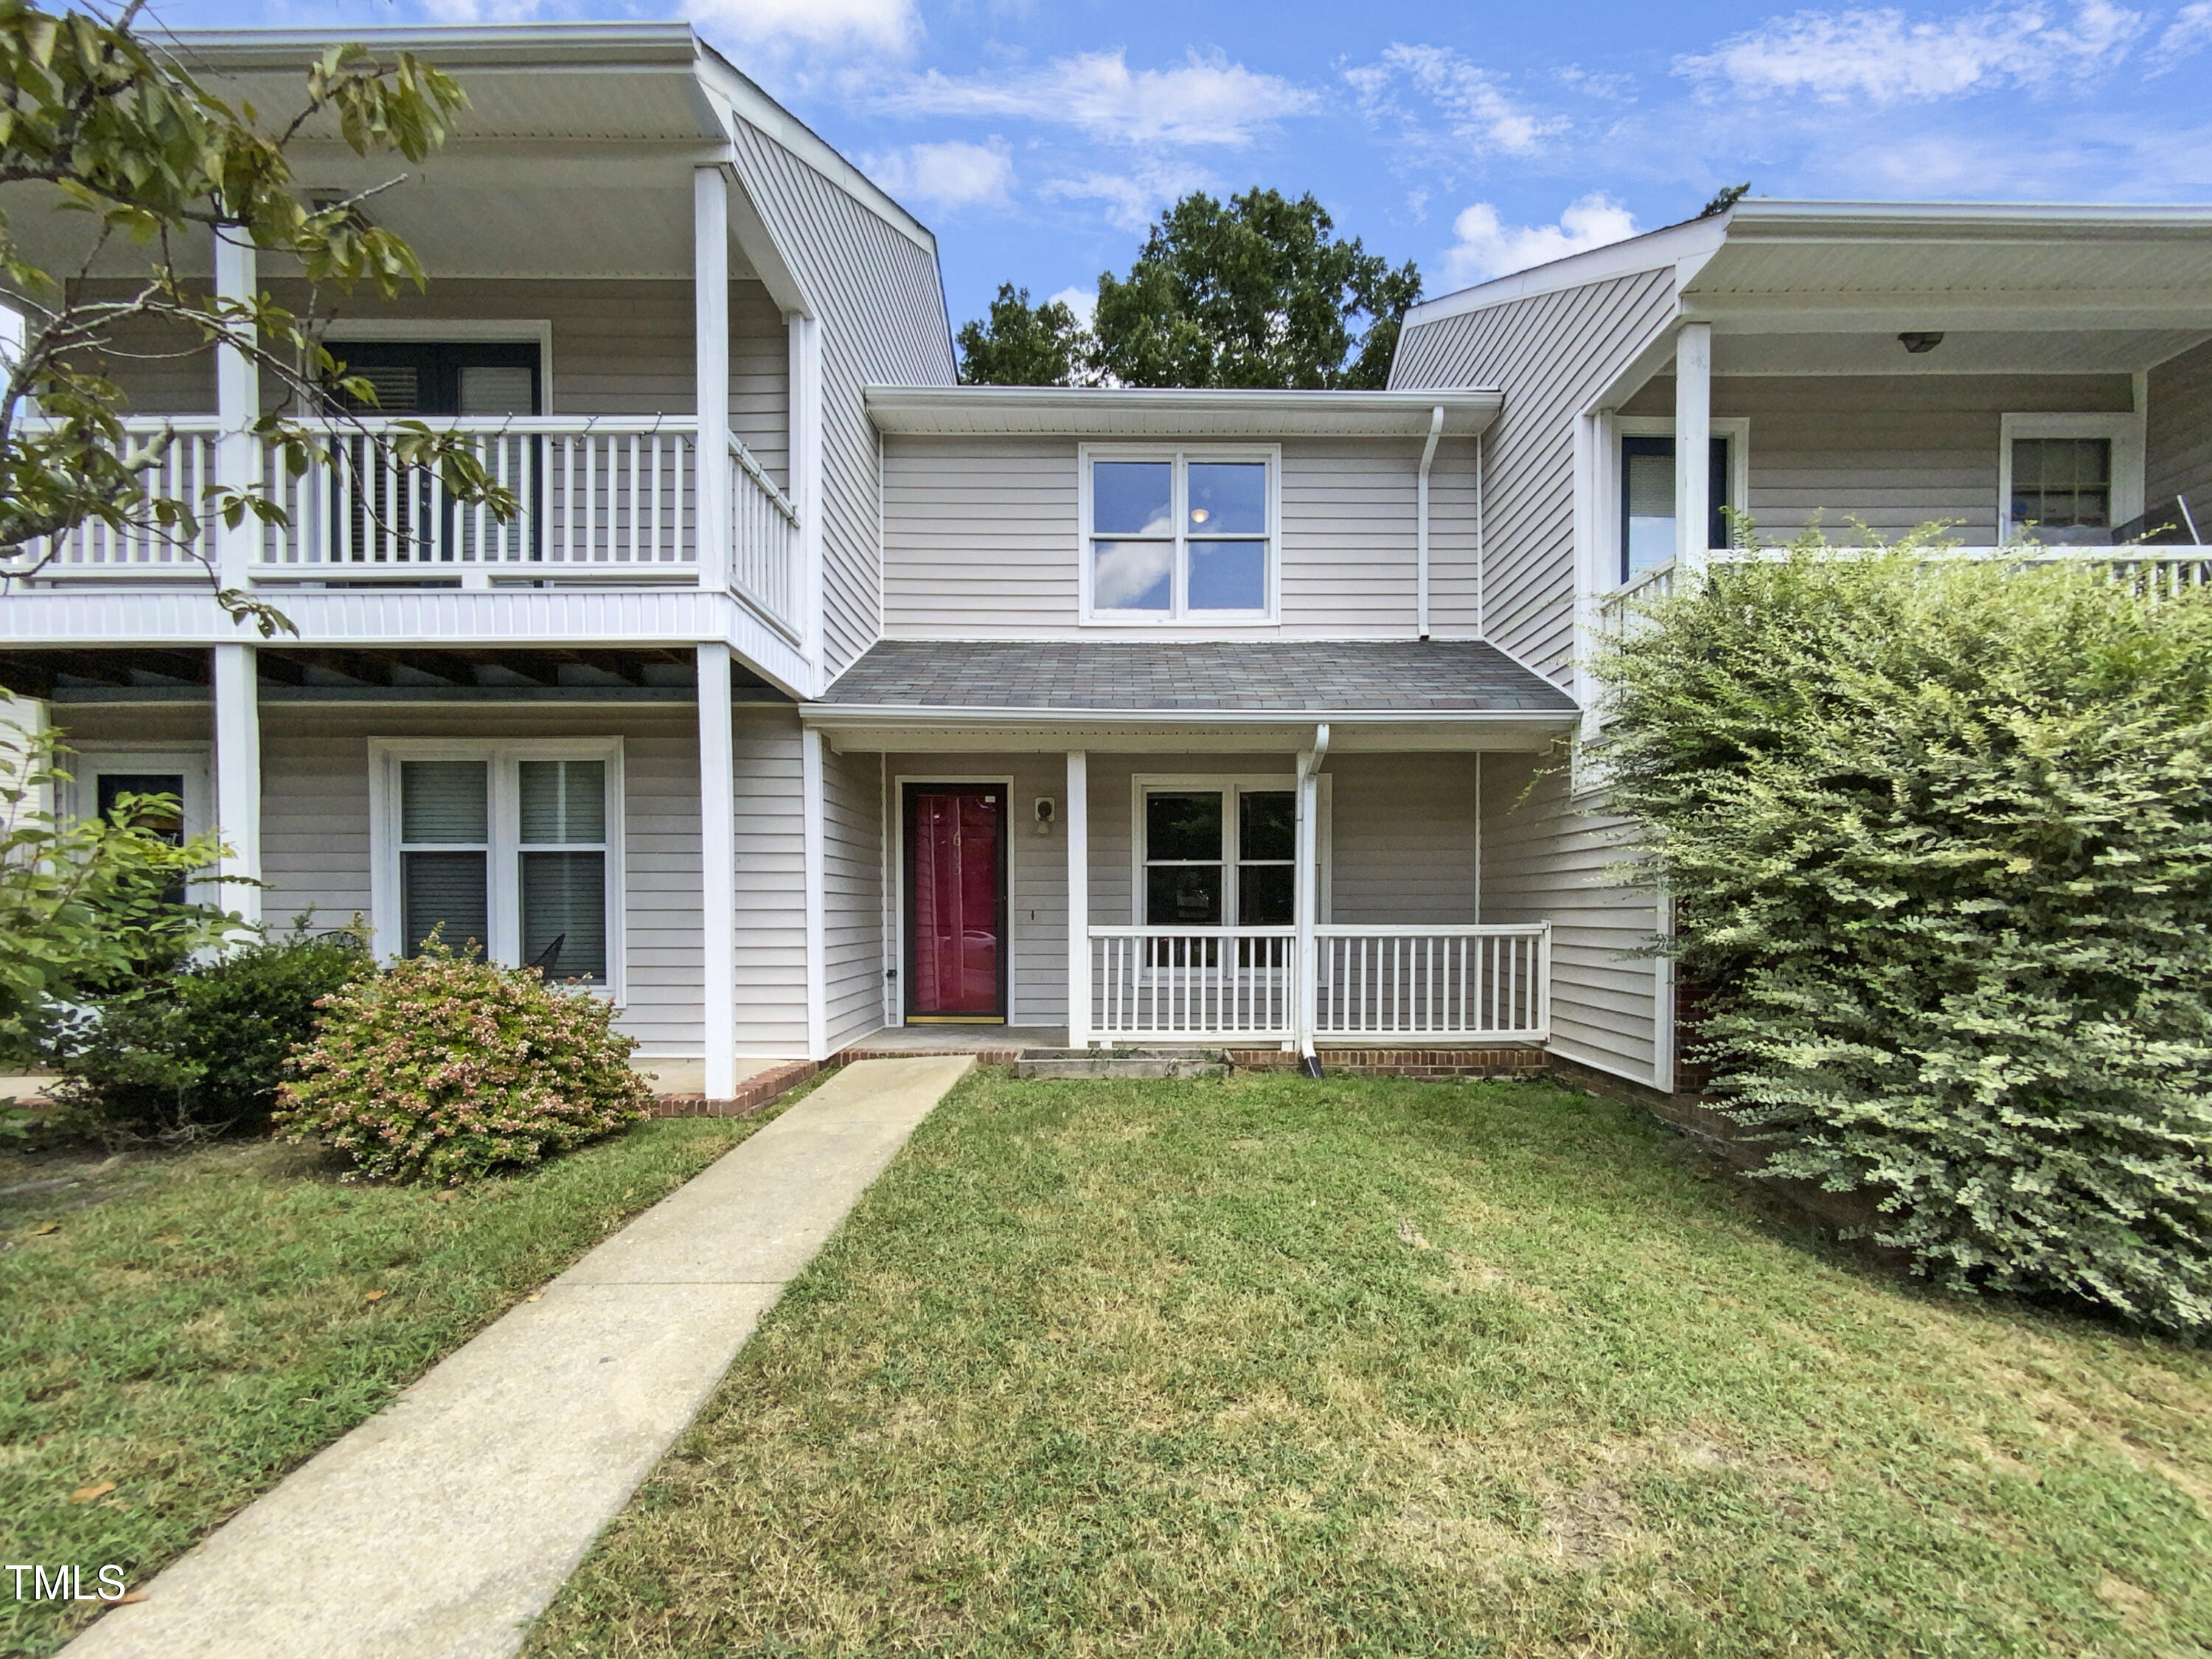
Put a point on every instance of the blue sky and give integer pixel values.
(1038, 139)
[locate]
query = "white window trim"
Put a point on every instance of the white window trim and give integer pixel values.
(899, 867)
(2126, 433)
(449, 330)
(503, 756)
(85, 761)
(1197, 782)
(1184, 453)
(1736, 428)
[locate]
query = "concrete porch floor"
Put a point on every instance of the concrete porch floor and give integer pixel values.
(957, 1039)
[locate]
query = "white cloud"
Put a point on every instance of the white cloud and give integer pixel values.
(1131, 198)
(1881, 57)
(2189, 32)
(1487, 247)
(949, 175)
(1205, 100)
(1474, 114)
(1083, 302)
(885, 25)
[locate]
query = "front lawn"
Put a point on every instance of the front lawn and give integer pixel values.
(213, 1318)
(1271, 1366)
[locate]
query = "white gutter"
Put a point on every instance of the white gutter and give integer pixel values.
(1308, 869)
(1421, 518)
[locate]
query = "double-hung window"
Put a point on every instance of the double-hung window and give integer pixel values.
(1180, 536)
(1219, 855)
(512, 847)
(2071, 478)
(1646, 476)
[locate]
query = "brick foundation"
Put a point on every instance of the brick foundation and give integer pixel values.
(755, 1092)
(1402, 1062)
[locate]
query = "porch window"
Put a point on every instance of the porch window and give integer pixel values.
(511, 847)
(1175, 535)
(2062, 488)
(1647, 501)
(1212, 853)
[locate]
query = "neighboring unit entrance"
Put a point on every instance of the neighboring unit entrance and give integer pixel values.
(955, 902)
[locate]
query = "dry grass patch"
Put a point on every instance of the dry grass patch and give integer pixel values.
(1370, 1367)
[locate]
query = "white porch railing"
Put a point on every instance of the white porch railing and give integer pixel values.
(1457, 984)
(184, 472)
(1180, 984)
(764, 539)
(596, 493)
(1469, 984)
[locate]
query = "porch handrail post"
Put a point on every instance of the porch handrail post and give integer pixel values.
(710, 302)
(1693, 433)
(1307, 974)
(1078, 899)
(718, 871)
(237, 778)
(237, 405)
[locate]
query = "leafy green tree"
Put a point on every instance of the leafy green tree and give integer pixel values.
(1259, 293)
(85, 906)
(1024, 344)
(114, 130)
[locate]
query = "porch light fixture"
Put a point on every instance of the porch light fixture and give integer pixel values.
(1920, 343)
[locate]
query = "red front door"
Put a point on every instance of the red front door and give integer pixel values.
(956, 905)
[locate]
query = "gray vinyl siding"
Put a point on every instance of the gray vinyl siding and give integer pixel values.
(770, 916)
(760, 379)
(2177, 436)
(1895, 451)
(981, 536)
(882, 313)
(1551, 355)
(1406, 841)
(1547, 858)
(1037, 872)
(852, 846)
(316, 849)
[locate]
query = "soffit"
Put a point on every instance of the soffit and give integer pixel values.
(1144, 412)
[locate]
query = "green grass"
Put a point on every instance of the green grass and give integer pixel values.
(1274, 1367)
(204, 1326)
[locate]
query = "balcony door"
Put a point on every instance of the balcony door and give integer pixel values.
(388, 516)
(956, 902)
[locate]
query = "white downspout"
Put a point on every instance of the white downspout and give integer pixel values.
(1421, 518)
(1309, 870)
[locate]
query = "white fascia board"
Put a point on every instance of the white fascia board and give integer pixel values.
(1766, 221)
(1132, 411)
(1653, 251)
(1056, 730)
(591, 45)
(746, 102)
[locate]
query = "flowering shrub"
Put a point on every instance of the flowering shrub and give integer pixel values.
(444, 1067)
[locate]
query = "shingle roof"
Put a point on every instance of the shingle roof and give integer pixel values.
(1266, 676)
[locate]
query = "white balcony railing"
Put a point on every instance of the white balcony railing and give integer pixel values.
(2162, 571)
(595, 494)
(1467, 984)
(1456, 984)
(184, 472)
(1216, 984)
(763, 539)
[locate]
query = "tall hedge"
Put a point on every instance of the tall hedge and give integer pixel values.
(1939, 838)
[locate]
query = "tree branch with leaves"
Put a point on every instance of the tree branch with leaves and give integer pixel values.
(120, 132)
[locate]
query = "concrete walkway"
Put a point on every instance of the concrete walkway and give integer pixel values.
(437, 1528)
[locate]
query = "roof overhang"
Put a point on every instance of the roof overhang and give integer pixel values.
(871, 729)
(1146, 412)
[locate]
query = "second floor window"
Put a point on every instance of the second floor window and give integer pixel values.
(1647, 501)
(1185, 537)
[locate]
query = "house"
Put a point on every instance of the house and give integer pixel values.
(814, 700)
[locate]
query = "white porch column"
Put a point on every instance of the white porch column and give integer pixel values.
(1308, 871)
(1078, 899)
(237, 405)
(805, 474)
(718, 871)
(237, 778)
(1694, 434)
(815, 852)
(710, 328)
